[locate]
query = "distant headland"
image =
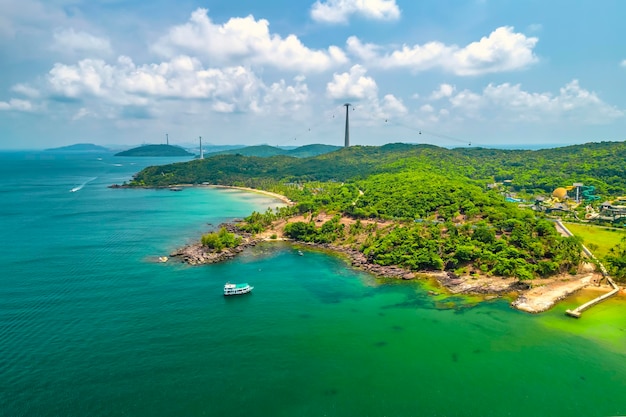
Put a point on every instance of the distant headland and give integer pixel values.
(155, 150)
(80, 147)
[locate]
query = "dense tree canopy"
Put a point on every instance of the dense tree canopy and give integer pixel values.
(444, 216)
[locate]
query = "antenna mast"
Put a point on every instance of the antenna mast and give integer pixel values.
(347, 137)
(201, 153)
(167, 139)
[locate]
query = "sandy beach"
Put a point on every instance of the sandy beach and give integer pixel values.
(254, 190)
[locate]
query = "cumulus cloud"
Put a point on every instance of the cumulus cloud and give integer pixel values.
(353, 85)
(623, 63)
(282, 98)
(339, 11)
(509, 102)
(444, 90)
(244, 41)
(21, 17)
(16, 104)
(393, 105)
(503, 50)
(135, 87)
(83, 43)
(368, 52)
(26, 90)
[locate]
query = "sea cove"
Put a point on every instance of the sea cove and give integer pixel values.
(91, 325)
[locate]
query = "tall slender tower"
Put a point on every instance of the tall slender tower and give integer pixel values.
(201, 152)
(347, 142)
(167, 139)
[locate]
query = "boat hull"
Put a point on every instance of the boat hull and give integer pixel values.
(237, 289)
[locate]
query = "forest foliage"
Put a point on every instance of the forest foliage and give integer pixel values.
(220, 240)
(444, 216)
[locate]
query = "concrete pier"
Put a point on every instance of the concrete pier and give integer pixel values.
(578, 311)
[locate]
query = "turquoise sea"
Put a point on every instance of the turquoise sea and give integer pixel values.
(91, 325)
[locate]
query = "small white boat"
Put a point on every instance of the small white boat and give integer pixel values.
(237, 289)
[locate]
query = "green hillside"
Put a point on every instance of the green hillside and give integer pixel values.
(598, 164)
(155, 150)
(267, 150)
(445, 216)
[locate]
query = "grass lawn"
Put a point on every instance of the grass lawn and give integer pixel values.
(605, 238)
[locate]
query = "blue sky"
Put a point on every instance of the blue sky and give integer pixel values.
(486, 72)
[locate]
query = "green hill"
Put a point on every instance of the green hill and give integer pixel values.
(597, 164)
(155, 150)
(308, 151)
(80, 147)
(445, 217)
(267, 151)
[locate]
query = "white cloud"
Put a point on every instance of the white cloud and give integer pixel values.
(503, 50)
(21, 17)
(366, 51)
(26, 90)
(444, 90)
(73, 42)
(339, 11)
(244, 41)
(623, 63)
(136, 87)
(15, 104)
(509, 102)
(282, 98)
(82, 112)
(427, 108)
(393, 105)
(353, 85)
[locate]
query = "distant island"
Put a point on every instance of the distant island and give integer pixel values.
(80, 147)
(305, 151)
(155, 150)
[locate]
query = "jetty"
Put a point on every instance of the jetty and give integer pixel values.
(577, 312)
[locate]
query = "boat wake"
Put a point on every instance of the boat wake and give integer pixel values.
(80, 187)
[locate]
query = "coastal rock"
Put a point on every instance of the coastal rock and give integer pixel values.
(478, 285)
(531, 300)
(197, 254)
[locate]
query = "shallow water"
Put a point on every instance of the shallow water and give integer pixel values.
(91, 325)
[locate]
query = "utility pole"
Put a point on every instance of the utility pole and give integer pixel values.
(347, 137)
(201, 153)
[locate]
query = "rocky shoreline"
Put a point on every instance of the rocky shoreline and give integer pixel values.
(196, 254)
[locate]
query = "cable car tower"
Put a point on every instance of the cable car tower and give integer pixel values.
(347, 137)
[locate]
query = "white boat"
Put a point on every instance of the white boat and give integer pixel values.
(237, 289)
